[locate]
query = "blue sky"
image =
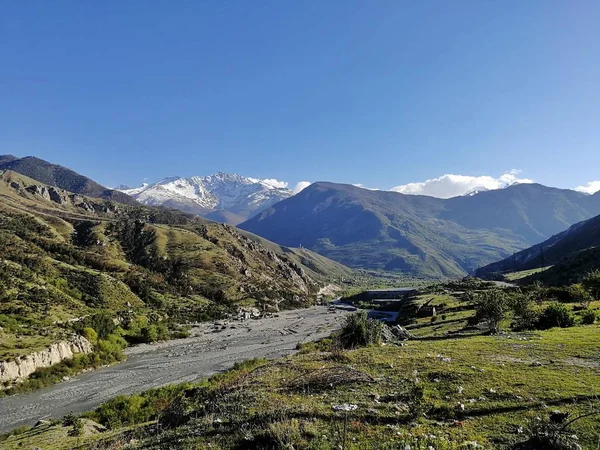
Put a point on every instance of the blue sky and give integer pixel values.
(380, 93)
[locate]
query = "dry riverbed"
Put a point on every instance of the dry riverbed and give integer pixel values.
(210, 349)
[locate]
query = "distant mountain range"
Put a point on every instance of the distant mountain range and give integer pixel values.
(223, 197)
(59, 176)
(417, 234)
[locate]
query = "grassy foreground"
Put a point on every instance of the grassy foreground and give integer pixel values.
(463, 392)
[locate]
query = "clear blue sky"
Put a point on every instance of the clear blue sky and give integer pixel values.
(374, 92)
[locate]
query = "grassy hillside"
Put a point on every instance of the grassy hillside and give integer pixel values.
(67, 257)
(67, 179)
(450, 386)
(572, 253)
(420, 235)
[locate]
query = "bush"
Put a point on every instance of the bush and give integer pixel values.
(591, 283)
(556, 315)
(111, 348)
(69, 420)
(360, 331)
(588, 316)
(77, 429)
(491, 307)
(568, 294)
(526, 314)
(90, 334)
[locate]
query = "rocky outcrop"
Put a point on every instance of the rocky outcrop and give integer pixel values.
(21, 368)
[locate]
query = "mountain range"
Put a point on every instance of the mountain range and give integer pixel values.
(571, 253)
(62, 177)
(223, 197)
(417, 235)
(421, 235)
(66, 256)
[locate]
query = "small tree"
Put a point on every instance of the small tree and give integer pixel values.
(491, 307)
(556, 315)
(525, 311)
(591, 283)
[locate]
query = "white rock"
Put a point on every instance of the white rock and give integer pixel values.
(21, 368)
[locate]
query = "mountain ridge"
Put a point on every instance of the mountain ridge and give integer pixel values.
(579, 242)
(418, 234)
(62, 177)
(226, 197)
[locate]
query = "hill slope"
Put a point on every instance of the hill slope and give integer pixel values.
(66, 256)
(576, 247)
(418, 234)
(59, 176)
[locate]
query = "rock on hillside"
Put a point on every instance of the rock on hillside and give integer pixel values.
(19, 369)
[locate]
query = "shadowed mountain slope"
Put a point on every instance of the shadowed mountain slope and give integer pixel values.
(418, 234)
(62, 177)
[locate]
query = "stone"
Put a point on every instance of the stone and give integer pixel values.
(19, 369)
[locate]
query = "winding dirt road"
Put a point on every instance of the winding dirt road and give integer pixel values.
(208, 351)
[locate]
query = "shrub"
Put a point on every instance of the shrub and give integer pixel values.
(101, 322)
(491, 307)
(111, 348)
(77, 429)
(360, 331)
(588, 316)
(526, 315)
(123, 410)
(69, 420)
(90, 334)
(556, 315)
(591, 283)
(553, 432)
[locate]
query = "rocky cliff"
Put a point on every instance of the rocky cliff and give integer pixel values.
(21, 368)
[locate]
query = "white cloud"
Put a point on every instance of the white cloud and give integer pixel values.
(301, 185)
(362, 186)
(271, 182)
(591, 188)
(450, 185)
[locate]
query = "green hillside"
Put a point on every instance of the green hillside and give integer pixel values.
(62, 177)
(66, 257)
(420, 235)
(570, 254)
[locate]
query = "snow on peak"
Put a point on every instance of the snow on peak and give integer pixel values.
(242, 196)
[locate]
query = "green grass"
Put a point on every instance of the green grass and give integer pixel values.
(503, 382)
(514, 276)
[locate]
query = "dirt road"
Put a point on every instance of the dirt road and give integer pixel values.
(208, 351)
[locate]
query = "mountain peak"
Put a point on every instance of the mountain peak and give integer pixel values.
(62, 177)
(220, 195)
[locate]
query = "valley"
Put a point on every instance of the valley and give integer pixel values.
(300, 225)
(210, 349)
(171, 353)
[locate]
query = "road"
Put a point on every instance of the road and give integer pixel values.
(208, 351)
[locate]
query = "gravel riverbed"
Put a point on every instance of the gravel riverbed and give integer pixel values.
(206, 352)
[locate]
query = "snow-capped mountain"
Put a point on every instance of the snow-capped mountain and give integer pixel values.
(224, 197)
(478, 190)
